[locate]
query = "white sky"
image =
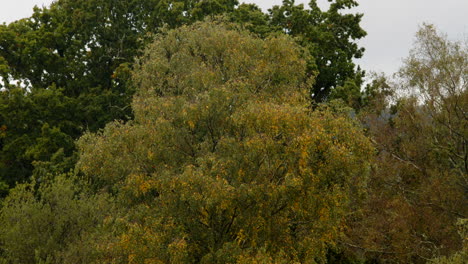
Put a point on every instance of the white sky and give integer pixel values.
(390, 24)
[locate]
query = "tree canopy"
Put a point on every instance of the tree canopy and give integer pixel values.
(67, 67)
(418, 193)
(225, 155)
(84, 52)
(150, 131)
(330, 36)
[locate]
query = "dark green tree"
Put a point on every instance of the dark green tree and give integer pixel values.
(252, 18)
(34, 127)
(330, 36)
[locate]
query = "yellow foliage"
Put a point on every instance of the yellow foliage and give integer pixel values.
(226, 163)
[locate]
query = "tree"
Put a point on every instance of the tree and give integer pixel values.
(224, 162)
(437, 75)
(252, 18)
(330, 38)
(52, 222)
(35, 126)
(418, 191)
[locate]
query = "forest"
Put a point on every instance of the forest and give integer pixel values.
(209, 131)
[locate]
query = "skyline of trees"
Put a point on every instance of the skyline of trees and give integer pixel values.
(173, 134)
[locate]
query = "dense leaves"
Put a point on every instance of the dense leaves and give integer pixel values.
(67, 67)
(34, 127)
(330, 37)
(207, 148)
(419, 191)
(224, 161)
(51, 222)
(85, 50)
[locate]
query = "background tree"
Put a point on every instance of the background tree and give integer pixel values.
(252, 18)
(418, 191)
(34, 127)
(54, 222)
(224, 162)
(329, 36)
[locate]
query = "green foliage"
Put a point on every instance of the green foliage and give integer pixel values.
(252, 18)
(78, 44)
(51, 222)
(349, 93)
(34, 127)
(65, 70)
(329, 36)
(85, 50)
(224, 161)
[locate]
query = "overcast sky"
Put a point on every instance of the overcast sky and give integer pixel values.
(390, 24)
